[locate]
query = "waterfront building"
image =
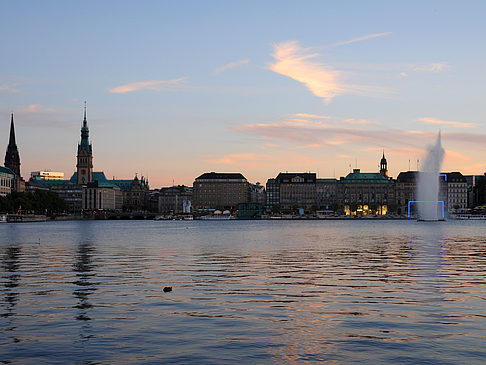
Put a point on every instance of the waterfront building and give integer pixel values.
(214, 190)
(7, 180)
(482, 190)
(47, 175)
(366, 193)
(101, 196)
(455, 195)
(174, 199)
(296, 190)
(326, 193)
(257, 193)
(472, 190)
(71, 192)
(405, 190)
(135, 193)
(273, 195)
(12, 159)
(84, 156)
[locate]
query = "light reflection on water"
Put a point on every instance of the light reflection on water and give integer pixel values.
(252, 291)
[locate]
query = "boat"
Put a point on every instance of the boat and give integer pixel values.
(216, 217)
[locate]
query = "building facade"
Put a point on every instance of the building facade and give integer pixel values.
(326, 193)
(7, 179)
(174, 199)
(456, 197)
(366, 193)
(214, 190)
(47, 175)
(135, 193)
(101, 196)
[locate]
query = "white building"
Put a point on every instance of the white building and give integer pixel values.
(7, 177)
(47, 175)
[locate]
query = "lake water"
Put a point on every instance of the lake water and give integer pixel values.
(260, 292)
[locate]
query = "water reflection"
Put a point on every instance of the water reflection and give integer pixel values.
(86, 286)
(10, 266)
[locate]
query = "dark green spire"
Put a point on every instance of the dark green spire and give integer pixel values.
(84, 144)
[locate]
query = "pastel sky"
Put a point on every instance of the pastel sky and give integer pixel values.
(178, 88)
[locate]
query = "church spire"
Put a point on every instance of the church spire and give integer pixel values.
(11, 141)
(12, 158)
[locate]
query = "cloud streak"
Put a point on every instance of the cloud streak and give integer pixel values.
(293, 61)
(434, 67)
(299, 64)
(363, 38)
(153, 85)
(450, 123)
(231, 65)
(316, 133)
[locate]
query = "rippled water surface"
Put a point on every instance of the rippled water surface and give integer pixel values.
(243, 292)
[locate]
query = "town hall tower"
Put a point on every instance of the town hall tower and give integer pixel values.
(85, 155)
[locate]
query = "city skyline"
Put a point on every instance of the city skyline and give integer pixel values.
(313, 88)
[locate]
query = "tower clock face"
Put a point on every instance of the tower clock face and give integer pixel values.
(83, 171)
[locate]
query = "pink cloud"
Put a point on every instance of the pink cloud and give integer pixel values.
(154, 85)
(449, 123)
(231, 65)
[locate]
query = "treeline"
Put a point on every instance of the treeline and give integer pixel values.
(37, 202)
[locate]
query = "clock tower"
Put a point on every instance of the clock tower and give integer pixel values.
(85, 155)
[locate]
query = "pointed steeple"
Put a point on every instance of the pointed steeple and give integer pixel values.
(12, 132)
(12, 158)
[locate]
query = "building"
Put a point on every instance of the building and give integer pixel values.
(472, 190)
(71, 192)
(273, 196)
(405, 190)
(214, 190)
(326, 193)
(456, 191)
(12, 159)
(366, 193)
(174, 199)
(101, 196)
(292, 191)
(47, 175)
(257, 193)
(7, 180)
(135, 193)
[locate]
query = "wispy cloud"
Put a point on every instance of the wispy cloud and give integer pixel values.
(353, 121)
(323, 81)
(449, 123)
(231, 65)
(38, 109)
(8, 87)
(456, 158)
(294, 62)
(335, 132)
(154, 85)
(309, 116)
(363, 38)
(236, 159)
(431, 67)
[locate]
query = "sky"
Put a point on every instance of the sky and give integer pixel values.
(178, 88)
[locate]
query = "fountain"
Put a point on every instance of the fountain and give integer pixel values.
(428, 183)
